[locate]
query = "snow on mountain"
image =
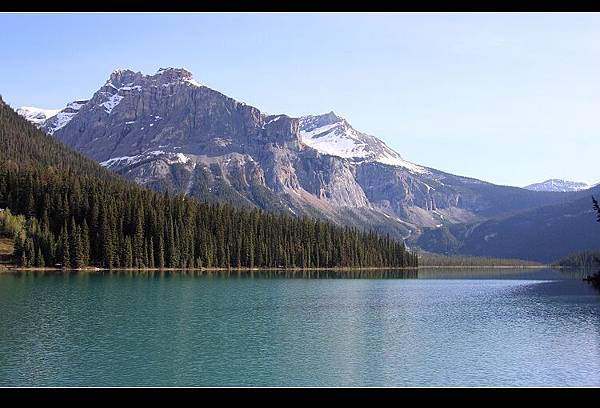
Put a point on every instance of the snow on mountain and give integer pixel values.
(37, 116)
(112, 101)
(333, 135)
(558, 185)
(170, 158)
(63, 117)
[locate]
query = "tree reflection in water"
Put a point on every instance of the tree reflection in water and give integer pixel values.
(594, 280)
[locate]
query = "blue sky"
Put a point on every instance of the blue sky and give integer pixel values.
(507, 98)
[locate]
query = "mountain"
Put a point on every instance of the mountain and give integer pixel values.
(37, 116)
(542, 234)
(79, 214)
(558, 185)
(168, 131)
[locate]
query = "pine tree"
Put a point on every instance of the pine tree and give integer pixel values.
(79, 255)
(39, 258)
(161, 252)
(106, 242)
(128, 253)
(138, 241)
(64, 248)
(151, 253)
(19, 250)
(85, 243)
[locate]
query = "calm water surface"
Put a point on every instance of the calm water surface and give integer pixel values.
(446, 328)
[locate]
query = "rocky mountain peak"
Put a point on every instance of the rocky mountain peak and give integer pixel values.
(329, 117)
(311, 122)
(174, 73)
(164, 76)
(119, 74)
(167, 76)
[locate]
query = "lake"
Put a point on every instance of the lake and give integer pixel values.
(434, 327)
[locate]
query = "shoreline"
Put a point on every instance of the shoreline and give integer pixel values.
(14, 268)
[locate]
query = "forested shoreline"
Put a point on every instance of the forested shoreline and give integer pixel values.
(431, 260)
(65, 210)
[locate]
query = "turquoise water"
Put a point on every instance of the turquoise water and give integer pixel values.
(437, 328)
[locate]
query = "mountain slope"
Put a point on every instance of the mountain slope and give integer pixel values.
(543, 234)
(24, 145)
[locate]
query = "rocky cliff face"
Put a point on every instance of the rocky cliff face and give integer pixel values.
(133, 114)
(169, 132)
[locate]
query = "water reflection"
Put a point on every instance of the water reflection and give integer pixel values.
(594, 280)
(240, 273)
(421, 273)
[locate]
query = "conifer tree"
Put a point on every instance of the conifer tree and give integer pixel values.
(128, 253)
(85, 243)
(39, 258)
(151, 253)
(161, 252)
(138, 241)
(65, 255)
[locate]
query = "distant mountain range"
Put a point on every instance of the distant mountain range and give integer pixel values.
(167, 131)
(537, 234)
(558, 185)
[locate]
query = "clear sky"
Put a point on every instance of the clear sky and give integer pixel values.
(507, 98)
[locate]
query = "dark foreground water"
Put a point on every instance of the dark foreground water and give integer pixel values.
(446, 328)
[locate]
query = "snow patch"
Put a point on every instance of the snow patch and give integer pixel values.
(37, 116)
(118, 160)
(62, 119)
(170, 158)
(180, 158)
(130, 87)
(341, 140)
(275, 119)
(111, 103)
(192, 81)
(489, 236)
(223, 142)
(429, 188)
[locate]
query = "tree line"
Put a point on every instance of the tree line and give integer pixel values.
(432, 259)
